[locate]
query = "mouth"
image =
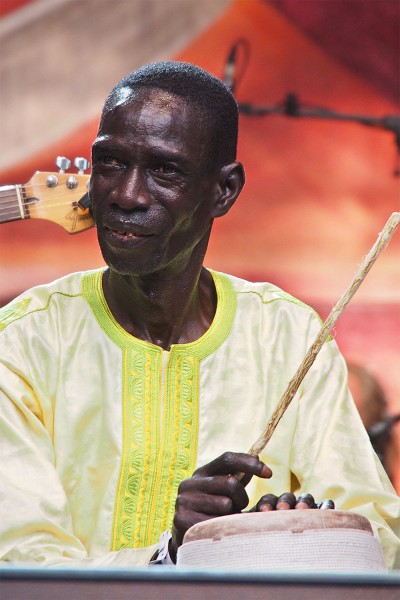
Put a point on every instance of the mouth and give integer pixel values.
(123, 234)
(130, 234)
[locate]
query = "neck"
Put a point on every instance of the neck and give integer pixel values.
(176, 310)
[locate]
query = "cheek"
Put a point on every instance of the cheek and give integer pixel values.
(196, 223)
(98, 192)
(93, 204)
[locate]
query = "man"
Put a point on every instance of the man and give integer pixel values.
(131, 394)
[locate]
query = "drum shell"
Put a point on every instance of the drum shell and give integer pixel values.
(292, 540)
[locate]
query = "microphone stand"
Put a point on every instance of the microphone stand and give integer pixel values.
(382, 427)
(292, 108)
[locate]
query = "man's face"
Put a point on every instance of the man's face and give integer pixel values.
(151, 191)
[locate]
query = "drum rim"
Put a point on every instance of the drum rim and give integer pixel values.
(295, 521)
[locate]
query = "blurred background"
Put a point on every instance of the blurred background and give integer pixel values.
(319, 87)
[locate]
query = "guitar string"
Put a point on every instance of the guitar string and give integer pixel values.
(16, 215)
(15, 211)
(10, 192)
(64, 198)
(6, 203)
(4, 199)
(31, 186)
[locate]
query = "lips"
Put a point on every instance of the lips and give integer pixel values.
(130, 233)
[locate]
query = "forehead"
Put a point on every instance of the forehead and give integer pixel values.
(154, 112)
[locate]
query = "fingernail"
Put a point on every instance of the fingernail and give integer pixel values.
(327, 504)
(283, 506)
(306, 499)
(266, 472)
(265, 508)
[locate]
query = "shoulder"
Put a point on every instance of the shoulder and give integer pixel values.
(266, 315)
(40, 299)
(263, 293)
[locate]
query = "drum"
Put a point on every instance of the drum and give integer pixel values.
(284, 540)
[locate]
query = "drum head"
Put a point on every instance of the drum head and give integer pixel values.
(296, 521)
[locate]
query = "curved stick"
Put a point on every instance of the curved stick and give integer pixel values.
(294, 384)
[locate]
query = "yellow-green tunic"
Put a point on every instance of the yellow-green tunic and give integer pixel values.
(98, 428)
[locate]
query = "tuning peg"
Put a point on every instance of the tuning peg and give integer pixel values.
(63, 163)
(82, 164)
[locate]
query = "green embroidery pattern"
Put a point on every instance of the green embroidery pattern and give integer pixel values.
(140, 444)
(281, 295)
(160, 448)
(184, 399)
(19, 308)
(159, 417)
(13, 312)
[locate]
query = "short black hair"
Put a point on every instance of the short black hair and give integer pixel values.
(207, 93)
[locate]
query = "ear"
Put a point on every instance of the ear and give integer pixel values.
(228, 186)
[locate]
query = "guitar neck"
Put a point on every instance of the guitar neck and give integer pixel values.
(13, 204)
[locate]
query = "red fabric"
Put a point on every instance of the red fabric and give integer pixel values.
(7, 6)
(363, 36)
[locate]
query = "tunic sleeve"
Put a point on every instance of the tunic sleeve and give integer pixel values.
(333, 457)
(36, 524)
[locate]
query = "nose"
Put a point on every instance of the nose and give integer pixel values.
(133, 193)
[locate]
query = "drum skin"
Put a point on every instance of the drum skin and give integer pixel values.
(296, 521)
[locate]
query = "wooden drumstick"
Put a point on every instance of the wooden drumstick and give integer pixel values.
(294, 384)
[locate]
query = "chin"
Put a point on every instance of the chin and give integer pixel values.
(131, 267)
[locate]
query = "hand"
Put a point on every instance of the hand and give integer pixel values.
(289, 501)
(214, 491)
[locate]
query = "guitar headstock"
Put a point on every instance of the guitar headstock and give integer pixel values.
(60, 197)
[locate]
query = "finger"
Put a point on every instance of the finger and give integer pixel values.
(244, 478)
(202, 493)
(267, 503)
(181, 525)
(327, 505)
(230, 463)
(205, 504)
(286, 501)
(305, 501)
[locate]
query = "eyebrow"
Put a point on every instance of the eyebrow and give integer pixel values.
(103, 143)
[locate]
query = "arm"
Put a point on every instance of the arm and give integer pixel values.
(36, 522)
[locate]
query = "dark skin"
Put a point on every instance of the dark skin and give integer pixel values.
(151, 184)
(154, 199)
(214, 491)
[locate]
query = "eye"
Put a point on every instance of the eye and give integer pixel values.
(110, 161)
(164, 169)
(102, 161)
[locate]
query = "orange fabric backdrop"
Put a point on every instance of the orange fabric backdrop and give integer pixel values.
(317, 193)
